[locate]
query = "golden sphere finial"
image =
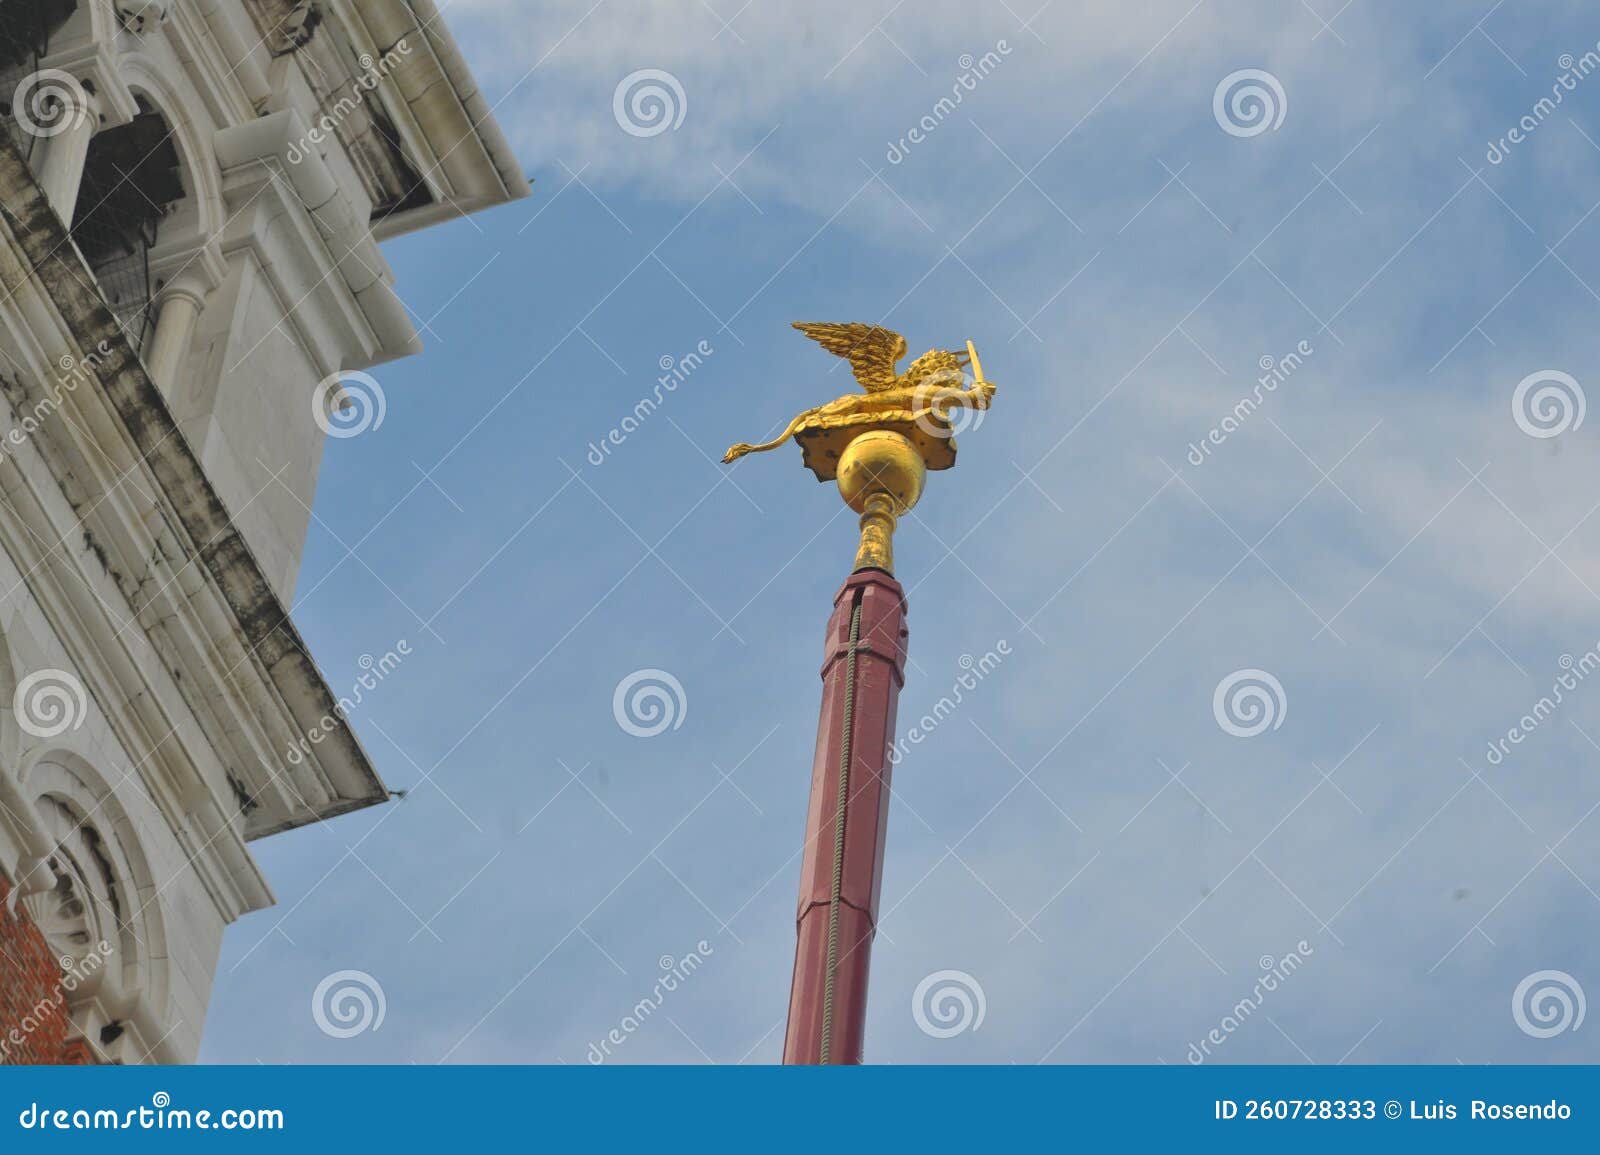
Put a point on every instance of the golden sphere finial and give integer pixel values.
(881, 475)
(879, 445)
(881, 461)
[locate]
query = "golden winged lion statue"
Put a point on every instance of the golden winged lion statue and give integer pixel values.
(919, 401)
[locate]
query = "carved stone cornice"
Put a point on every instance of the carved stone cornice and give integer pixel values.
(215, 636)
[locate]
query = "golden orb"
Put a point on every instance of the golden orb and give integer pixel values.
(880, 477)
(881, 461)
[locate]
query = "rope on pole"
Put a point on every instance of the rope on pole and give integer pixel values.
(840, 803)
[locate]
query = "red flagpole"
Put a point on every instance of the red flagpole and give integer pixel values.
(842, 870)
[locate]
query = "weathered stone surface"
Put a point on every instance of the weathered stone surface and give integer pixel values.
(151, 528)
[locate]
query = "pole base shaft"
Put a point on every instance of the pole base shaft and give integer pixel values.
(879, 655)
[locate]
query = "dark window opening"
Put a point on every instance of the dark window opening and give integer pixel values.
(26, 27)
(131, 181)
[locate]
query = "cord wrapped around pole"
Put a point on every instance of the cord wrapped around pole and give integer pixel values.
(840, 807)
(842, 865)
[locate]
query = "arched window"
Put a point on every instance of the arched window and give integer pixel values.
(86, 907)
(101, 912)
(132, 180)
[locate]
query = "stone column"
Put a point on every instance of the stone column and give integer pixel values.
(178, 304)
(60, 116)
(842, 868)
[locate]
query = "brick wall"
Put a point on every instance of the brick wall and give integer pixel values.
(33, 1011)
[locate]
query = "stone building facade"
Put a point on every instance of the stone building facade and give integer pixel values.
(192, 197)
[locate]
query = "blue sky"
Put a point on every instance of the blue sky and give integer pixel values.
(1083, 839)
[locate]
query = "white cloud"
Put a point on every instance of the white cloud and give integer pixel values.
(1420, 275)
(835, 83)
